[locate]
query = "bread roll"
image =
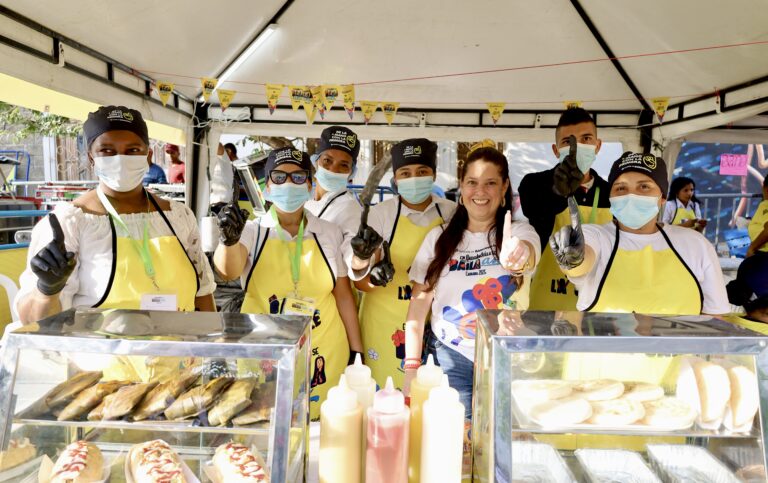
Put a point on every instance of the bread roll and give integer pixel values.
(237, 464)
(541, 390)
(642, 392)
(81, 462)
(669, 414)
(616, 412)
(745, 399)
(714, 389)
(155, 462)
(561, 412)
(599, 389)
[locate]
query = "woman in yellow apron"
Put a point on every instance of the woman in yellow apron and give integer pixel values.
(290, 262)
(117, 246)
(403, 222)
(633, 264)
(682, 207)
(543, 201)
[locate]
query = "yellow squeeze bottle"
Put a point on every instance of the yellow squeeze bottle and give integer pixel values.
(341, 421)
(428, 376)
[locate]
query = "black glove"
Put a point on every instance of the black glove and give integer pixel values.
(353, 355)
(568, 243)
(53, 264)
(231, 221)
(568, 176)
(383, 272)
(365, 243)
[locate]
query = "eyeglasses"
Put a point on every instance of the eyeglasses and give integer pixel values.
(297, 177)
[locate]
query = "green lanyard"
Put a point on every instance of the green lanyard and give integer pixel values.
(593, 215)
(295, 259)
(141, 248)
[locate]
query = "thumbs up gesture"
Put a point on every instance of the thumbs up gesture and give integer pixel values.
(53, 264)
(515, 253)
(568, 243)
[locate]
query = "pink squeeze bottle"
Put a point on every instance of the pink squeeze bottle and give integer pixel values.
(387, 451)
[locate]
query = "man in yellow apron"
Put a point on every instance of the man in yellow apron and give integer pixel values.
(543, 200)
(290, 262)
(758, 227)
(403, 222)
(634, 264)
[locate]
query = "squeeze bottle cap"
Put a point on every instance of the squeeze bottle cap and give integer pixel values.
(429, 374)
(444, 393)
(389, 400)
(341, 396)
(358, 374)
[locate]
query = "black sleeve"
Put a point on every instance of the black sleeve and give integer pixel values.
(540, 204)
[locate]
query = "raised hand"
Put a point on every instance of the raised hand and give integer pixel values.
(568, 243)
(383, 272)
(514, 253)
(53, 264)
(231, 221)
(568, 176)
(367, 240)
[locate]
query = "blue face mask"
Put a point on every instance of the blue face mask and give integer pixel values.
(330, 181)
(287, 197)
(415, 190)
(635, 211)
(585, 156)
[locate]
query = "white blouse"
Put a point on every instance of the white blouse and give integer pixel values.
(89, 236)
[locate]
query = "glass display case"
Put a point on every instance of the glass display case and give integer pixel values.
(197, 381)
(563, 397)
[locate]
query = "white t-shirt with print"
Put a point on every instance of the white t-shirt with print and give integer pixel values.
(692, 246)
(473, 280)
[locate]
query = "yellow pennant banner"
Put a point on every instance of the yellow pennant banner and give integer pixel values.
(225, 98)
(660, 105)
(368, 108)
(390, 110)
(348, 95)
(273, 96)
(297, 96)
(496, 109)
(572, 104)
(316, 94)
(311, 111)
(209, 85)
(164, 90)
(329, 94)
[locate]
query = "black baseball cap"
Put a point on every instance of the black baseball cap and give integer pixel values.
(114, 118)
(414, 151)
(648, 164)
(341, 138)
(281, 156)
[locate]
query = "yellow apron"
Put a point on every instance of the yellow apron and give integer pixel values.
(683, 214)
(753, 325)
(648, 282)
(550, 288)
(174, 274)
(383, 310)
(757, 225)
(271, 276)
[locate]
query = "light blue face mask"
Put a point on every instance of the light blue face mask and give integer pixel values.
(287, 197)
(634, 211)
(626, 325)
(415, 190)
(585, 156)
(330, 181)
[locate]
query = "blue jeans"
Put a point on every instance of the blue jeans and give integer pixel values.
(459, 369)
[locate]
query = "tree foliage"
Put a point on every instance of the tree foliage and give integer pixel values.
(22, 123)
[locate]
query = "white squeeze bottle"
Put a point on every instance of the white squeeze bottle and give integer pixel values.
(359, 380)
(428, 376)
(341, 421)
(442, 438)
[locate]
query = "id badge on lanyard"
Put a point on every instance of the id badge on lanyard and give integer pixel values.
(153, 301)
(294, 304)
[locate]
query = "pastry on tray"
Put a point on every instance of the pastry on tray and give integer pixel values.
(155, 462)
(81, 462)
(260, 409)
(236, 398)
(18, 452)
(120, 403)
(235, 463)
(161, 396)
(197, 399)
(68, 390)
(89, 399)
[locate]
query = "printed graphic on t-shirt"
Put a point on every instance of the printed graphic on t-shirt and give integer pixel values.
(473, 263)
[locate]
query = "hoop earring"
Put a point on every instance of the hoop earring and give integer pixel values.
(503, 201)
(460, 201)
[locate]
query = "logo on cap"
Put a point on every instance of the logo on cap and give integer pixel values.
(120, 115)
(351, 140)
(296, 155)
(649, 161)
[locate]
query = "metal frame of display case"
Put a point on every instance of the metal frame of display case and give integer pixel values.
(492, 399)
(211, 335)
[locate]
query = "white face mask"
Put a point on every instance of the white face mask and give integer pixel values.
(121, 172)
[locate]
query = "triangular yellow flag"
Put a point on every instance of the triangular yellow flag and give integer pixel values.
(348, 95)
(329, 94)
(273, 96)
(660, 105)
(571, 104)
(311, 111)
(225, 98)
(164, 90)
(209, 85)
(297, 96)
(496, 109)
(316, 93)
(390, 110)
(368, 108)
